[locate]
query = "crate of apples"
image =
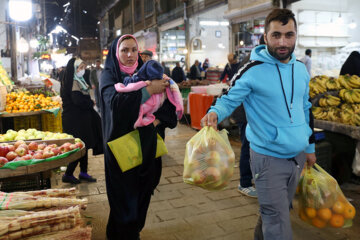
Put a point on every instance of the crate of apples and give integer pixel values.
(21, 150)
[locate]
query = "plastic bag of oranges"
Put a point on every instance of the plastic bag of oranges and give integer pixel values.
(321, 201)
(209, 159)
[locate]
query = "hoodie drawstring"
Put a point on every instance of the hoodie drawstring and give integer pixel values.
(292, 90)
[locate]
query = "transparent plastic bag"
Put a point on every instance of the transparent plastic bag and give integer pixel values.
(209, 160)
(321, 201)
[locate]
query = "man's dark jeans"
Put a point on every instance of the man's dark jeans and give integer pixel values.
(245, 171)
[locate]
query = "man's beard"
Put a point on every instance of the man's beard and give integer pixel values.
(280, 57)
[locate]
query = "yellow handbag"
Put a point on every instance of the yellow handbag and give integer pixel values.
(127, 150)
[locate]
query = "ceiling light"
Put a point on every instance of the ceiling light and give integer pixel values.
(20, 10)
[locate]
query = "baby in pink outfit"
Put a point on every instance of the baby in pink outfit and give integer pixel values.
(149, 71)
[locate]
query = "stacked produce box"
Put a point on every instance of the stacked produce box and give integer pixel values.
(336, 99)
(45, 214)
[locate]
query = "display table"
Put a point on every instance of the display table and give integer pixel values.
(351, 131)
(199, 104)
(36, 176)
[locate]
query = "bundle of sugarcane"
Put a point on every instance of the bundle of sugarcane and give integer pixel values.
(68, 192)
(23, 201)
(37, 223)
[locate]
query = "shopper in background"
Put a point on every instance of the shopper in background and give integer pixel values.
(94, 79)
(352, 64)
(206, 64)
(178, 74)
(195, 71)
(231, 68)
(79, 118)
(274, 88)
(146, 55)
(166, 69)
(129, 192)
(307, 60)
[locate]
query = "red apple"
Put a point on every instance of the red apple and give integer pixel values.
(213, 158)
(73, 146)
(41, 146)
(79, 145)
(212, 174)
(198, 177)
(24, 146)
(20, 151)
(27, 157)
(48, 153)
(33, 146)
(18, 143)
(11, 156)
(3, 161)
(56, 151)
(38, 155)
(11, 148)
(17, 159)
(53, 145)
(4, 150)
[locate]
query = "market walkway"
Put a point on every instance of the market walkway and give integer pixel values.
(179, 211)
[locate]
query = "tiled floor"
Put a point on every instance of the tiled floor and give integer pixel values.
(179, 211)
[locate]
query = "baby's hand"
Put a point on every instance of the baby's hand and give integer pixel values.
(165, 77)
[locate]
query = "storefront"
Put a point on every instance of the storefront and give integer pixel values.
(147, 40)
(247, 26)
(172, 43)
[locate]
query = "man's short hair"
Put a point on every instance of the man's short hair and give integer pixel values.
(98, 60)
(147, 52)
(279, 14)
(308, 51)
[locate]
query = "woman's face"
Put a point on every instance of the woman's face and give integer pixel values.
(128, 52)
(81, 67)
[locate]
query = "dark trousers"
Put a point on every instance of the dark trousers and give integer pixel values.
(83, 165)
(245, 170)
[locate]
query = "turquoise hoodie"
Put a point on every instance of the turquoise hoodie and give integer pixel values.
(270, 130)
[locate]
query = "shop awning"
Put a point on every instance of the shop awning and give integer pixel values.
(244, 14)
(172, 24)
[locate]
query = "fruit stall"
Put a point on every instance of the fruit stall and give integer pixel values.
(336, 109)
(28, 164)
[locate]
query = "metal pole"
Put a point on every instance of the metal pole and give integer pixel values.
(187, 38)
(13, 52)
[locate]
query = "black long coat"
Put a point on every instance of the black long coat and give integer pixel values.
(128, 192)
(79, 117)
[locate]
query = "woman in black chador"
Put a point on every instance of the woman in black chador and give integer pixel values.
(129, 192)
(79, 117)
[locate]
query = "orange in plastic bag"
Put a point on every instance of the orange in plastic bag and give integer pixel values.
(209, 159)
(321, 201)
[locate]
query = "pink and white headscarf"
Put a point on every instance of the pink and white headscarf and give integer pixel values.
(129, 70)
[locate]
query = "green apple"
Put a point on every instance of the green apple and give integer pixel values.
(20, 138)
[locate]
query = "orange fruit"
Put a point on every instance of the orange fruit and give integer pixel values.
(336, 221)
(318, 223)
(303, 216)
(349, 211)
(310, 212)
(338, 207)
(324, 214)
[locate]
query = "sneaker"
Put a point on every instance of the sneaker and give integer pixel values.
(70, 179)
(249, 191)
(86, 177)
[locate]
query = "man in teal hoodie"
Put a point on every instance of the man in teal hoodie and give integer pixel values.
(274, 88)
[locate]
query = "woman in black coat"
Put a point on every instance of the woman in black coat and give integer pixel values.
(129, 192)
(79, 118)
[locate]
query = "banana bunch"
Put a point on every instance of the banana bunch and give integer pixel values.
(317, 85)
(349, 82)
(4, 77)
(350, 95)
(329, 100)
(350, 107)
(333, 84)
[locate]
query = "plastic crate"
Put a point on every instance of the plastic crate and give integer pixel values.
(51, 123)
(31, 182)
(323, 151)
(21, 123)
